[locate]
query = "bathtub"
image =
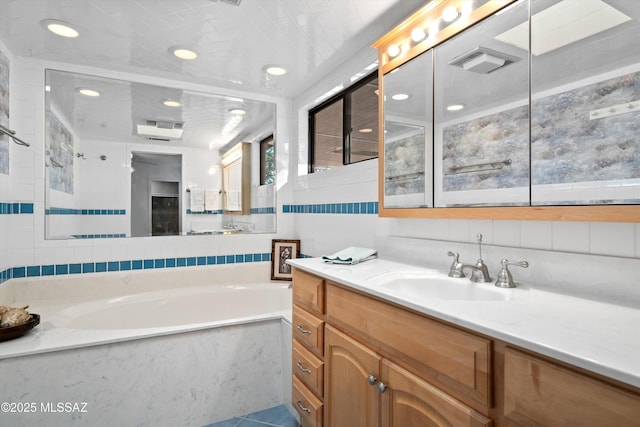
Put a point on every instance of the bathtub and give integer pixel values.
(189, 346)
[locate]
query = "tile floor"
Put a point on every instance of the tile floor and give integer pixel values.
(273, 417)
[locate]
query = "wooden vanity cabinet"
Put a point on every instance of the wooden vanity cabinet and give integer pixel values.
(378, 364)
(390, 373)
(308, 347)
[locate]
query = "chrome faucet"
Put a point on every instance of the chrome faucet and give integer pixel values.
(479, 271)
(456, 266)
(505, 279)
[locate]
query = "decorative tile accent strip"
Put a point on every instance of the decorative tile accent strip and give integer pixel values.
(353, 208)
(269, 210)
(67, 211)
(127, 265)
(218, 212)
(9, 208)
(98, 236)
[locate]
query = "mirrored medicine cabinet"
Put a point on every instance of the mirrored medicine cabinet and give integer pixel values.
(503, 109)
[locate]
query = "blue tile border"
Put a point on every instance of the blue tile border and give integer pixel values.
(69, 211)
(15, 208)
(217, 212)
(349, 208)
(254, 211)
(128, 265)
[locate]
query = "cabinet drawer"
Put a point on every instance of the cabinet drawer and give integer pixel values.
(538, 392)
(308, 291)
(457, 361)
(309, 330)
(308, 368)
(308, 406)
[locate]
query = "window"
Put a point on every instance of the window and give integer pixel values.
(344, 129)
(267, 161)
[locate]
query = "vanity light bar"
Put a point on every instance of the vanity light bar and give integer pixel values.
(438, 20)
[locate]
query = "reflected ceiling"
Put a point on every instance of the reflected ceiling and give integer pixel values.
(307, 37)
(208, 121)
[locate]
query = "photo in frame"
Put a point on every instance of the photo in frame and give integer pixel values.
(281, 251)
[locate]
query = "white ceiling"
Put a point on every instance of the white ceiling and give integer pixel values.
(307, 37)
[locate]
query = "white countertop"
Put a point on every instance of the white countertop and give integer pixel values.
(597, 336)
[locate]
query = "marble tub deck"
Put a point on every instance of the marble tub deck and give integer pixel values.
(278, 416)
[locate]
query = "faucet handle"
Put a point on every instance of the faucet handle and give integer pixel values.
(505, 279)
(456, 266)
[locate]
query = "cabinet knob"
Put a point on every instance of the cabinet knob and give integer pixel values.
(382, 387)
(372, 380)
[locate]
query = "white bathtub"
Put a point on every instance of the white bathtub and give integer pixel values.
(83, 310)
(190, 346)
(203, 306)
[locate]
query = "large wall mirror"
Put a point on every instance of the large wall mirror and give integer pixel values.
(130, 159)
(536, 108)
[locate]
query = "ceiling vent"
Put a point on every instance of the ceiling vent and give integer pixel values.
(483, 60)
(161, 130)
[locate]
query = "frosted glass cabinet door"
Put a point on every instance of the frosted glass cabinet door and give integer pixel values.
(408, 143)
(481, 112)
(585, 103)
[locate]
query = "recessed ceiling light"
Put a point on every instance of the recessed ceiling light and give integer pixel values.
(183, 53)
(88, 92)
(237, 111)
(171, 103)
(400, 96)
(275, 70)
(59, 28)
(455, 107)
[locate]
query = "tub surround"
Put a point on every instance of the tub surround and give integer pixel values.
(62, 303)
(598, 336)
(195, 372)
(189, 379)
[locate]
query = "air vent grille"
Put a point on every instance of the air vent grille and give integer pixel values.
(483, 60)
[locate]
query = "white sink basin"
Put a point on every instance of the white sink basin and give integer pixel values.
(434, 285)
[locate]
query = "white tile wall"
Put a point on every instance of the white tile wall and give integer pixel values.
(599, 259)
(22, 241)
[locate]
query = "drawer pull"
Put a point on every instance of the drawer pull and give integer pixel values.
(372, 380)
(303, 330)
(382, 387)
(302, 368)
(302, 407)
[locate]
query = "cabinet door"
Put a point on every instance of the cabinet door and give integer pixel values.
(350, 400)
(481, 115)
(411, 401)
(408, 142)
(541, 393)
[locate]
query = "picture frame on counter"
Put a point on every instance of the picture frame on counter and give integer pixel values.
(281, 251)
